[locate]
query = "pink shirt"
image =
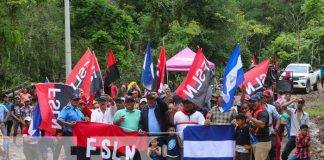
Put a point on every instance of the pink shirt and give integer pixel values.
(24, 97)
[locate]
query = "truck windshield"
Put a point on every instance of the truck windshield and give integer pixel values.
(297, 69)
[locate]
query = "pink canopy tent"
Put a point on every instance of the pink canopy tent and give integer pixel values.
(182, 61)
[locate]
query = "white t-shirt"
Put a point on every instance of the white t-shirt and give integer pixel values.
(103, 117)
(182, 120)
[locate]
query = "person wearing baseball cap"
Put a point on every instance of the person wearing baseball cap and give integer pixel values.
(187, 116)
(105, 112)
(153, 115)
(260, 130)
(68, 117)
(128, 118)
(273, 128)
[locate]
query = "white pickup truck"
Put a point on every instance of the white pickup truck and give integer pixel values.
(303, 76)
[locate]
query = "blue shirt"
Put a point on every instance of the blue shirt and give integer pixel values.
(153, 124)
(3, 111)
(8, 106)
(70, 114)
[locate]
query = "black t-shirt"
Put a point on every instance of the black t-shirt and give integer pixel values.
(263, 133)
(173, 148)
(16, 109)
(242, 136)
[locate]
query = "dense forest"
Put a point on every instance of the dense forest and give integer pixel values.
(33, 47)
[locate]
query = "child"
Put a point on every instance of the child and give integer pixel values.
(154, 152)
(303, 141)
(242, 137)
(173, 143)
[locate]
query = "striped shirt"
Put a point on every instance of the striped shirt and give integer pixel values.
(182, 120)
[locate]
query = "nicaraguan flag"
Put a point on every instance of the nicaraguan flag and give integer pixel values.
(233, 77)
(209, 142)
(36, 119)
(148, 71)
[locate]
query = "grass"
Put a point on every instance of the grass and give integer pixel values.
(315, 111)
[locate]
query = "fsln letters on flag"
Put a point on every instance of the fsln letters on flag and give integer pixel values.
(254, 78)
(196, 84)
(52, 97)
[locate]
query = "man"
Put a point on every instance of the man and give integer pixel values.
(8, 105)
(67, 118)
(26, 111)
(104, 114)
(297, 117)
(16, 116)
(260, 121)
(273, 128)
(128, 118)
(120, 103)
(187, 116)
(153, 115)
(217, 116)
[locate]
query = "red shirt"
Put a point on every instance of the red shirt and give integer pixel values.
(302, 146)
(25, 131)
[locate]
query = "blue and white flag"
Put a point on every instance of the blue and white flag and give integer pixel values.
(36, 119)
(233, 77)
(209, 142)
(148, 70)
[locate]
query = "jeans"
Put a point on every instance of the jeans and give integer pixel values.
(16, 124)
(9, 126)
(288, 126)
(291, 144)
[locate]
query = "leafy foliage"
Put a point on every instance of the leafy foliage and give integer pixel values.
(32, 33)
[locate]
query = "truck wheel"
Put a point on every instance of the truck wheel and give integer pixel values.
(307, 89)
(315, 86)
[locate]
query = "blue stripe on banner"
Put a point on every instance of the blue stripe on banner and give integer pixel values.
(209, 133)
(209, 158)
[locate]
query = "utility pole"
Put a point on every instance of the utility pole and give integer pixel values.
(67, 38)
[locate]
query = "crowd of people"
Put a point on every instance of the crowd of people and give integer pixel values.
(260, 120)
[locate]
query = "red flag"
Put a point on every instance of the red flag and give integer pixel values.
(86, 75)
(275, 62)
(52, 98)
(112, 72)
(254, 78)
(195, 86)
(253, 60)
(161, 68)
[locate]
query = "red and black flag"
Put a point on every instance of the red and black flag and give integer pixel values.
(86, 75)
(161, 70)
(275, 62)
(112, 72)
(95, 137)
(52, 97)
(254, 78)
(196, 85)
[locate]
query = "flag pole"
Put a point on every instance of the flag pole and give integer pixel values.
(67, 38)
